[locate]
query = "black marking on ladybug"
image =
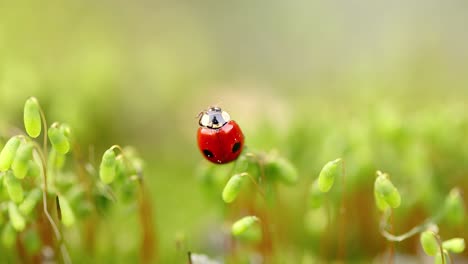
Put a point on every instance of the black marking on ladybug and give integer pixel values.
(208, 153)
(215, 121)
(236, 147)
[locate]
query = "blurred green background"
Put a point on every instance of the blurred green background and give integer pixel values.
(382, 84)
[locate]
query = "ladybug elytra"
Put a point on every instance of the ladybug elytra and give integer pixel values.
(220, 139)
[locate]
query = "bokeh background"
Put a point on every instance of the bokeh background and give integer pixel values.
(382, 84)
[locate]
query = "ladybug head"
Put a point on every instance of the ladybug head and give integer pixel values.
(214, 118)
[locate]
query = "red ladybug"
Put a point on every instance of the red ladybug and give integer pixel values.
(220, 139)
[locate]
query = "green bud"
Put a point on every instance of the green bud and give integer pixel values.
(380, 201)
(454, 208)
(386, 191)
(13, 186)
(20, 164)
(280, 168)
(252, 234)
(32, 117)
(121, 167)
(30, 202)
(56, 160)
(232, 188)
(315, 195)
(429, 243)
(58, 139)
(455, 245)
(66, 130)
(16, 219)
(68, 217)
(8, 153)
(438, 258)
(243, 224)
(33, 169)
(328, 174)
(8, 236)
(107, 170)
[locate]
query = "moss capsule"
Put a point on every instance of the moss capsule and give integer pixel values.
(232, 188)
(455, 245)
(13, 186)
(68, 217)
(56, 160)
(386, 191)
(20, 164)
(30, 202)
(32, 117)
(328, 174)
(121, 168)
(454, 208)
(107, 169)
(243, 224)
(380, 201)
(8, 236)
(66, 130)
(429, 243)
(280, 168)
(58, 139)
(16, 219)
(315, 195)
(33, 169)
(8, 153)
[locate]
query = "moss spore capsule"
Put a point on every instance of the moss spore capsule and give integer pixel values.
(241, 225)
(29, 203)
(328, 174)
(281, 169)
(386, 191)
(66, 130)
(13, 186)
(8, 236)
(33, 169)
(429, 243)
(121, 167)
(315, 195)
(232, 188)
(20, 164)
(16, 219)
(58, 139)
(455, 245)
(454, 208)
(32, 117)
(8, 153)
(68, 217)
(107, 169)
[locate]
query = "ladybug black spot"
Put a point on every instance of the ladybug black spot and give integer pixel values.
(236, 147)
(207, 153)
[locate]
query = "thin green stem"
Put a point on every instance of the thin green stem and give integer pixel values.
(439, 243)
(413, 231)
(44, 124)
(43, 154)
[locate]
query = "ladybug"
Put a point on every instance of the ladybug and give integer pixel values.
(220, 139)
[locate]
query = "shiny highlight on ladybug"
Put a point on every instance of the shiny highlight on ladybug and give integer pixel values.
(220, 139)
